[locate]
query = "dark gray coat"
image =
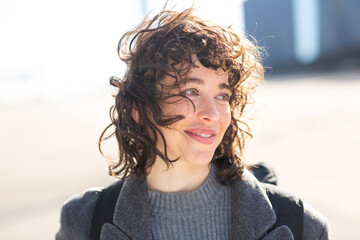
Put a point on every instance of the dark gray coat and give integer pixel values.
(252, 215)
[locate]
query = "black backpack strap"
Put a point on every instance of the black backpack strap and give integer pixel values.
(264, 173)
(289, 210)
(104, 208)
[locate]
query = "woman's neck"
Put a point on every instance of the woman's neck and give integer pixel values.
(180, 177)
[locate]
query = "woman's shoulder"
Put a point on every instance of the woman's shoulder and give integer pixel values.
(316, 226)
(82, 203)
(76, 215)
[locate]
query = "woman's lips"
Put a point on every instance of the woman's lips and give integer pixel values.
(205, 136)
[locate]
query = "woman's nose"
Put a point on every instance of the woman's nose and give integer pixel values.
(207, 111)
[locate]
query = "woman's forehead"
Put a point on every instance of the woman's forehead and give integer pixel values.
(197, 73)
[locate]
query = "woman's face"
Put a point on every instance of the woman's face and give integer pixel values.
(195, 138)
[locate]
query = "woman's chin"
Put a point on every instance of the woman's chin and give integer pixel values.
(200, 159)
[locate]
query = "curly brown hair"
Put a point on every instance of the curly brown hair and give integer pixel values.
(164, 45)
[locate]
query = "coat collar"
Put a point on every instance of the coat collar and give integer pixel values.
(132, 212)
(252, 213)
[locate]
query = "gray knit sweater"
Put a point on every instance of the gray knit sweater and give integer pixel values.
(200, 214)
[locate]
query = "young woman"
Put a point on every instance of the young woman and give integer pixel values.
(178, 122)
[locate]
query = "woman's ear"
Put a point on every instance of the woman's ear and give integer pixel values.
(135, 113)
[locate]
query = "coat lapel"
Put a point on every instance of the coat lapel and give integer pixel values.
(252, 213)
(132, 213)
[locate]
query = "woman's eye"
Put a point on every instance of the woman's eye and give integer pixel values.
(192, 92)
(224, 97)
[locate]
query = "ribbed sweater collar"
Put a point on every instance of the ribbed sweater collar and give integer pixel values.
(183, 203)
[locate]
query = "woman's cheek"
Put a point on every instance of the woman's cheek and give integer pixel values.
(226, 114)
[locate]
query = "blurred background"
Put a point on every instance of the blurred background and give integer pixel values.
(55, 60)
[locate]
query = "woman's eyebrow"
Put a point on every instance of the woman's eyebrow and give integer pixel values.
(224, 86)
(201, 82)
(195, 80)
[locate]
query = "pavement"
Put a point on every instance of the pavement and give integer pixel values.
(305, 126)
